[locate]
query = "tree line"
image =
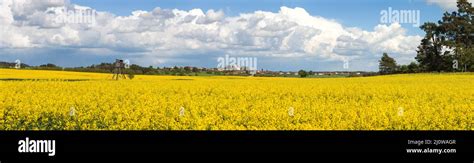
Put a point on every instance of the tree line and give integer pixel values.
(132, 69)
(446, 47)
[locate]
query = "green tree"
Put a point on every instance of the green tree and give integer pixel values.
(450, 39)
(387, 64)
(460, 27)
(49, 65)
(302, 73)
(429, 51)
(195, 69)
(403, 69)
(413, 67)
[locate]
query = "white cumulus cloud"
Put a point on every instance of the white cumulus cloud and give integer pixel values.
(162, 34)
(448, 5)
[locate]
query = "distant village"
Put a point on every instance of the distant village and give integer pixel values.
(262, 72)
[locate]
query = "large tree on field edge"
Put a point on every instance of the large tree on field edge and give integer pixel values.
(449, 41)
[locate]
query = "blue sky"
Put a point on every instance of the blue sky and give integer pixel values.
(318, 35)
(353, 13)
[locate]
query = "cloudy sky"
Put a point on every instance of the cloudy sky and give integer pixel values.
(282, 34)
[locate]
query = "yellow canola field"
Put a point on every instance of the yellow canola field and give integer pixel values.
(56, 100)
